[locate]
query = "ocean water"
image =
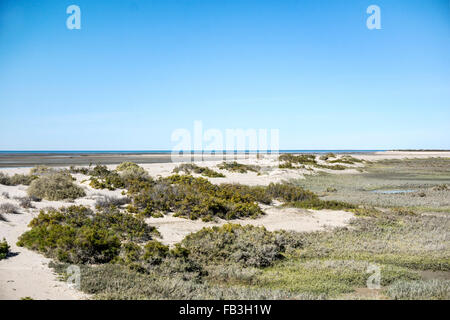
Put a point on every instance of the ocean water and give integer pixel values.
(6, 152)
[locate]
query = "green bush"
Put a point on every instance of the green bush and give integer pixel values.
(192, 198)
(78, 235)
(4, 249)
(55, 186)
(248, 245)
(125, 175)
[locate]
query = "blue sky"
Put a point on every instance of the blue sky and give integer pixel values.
(137, 70)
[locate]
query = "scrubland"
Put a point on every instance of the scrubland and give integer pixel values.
(401, 239)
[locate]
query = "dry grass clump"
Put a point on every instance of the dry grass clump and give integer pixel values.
(9, 208)
(25, 202)
(419, 290)
(106, 202)
(16, 179)
(55, 186)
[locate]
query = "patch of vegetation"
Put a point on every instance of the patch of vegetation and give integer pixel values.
(117, 282)
(107, 202)
(419, 290)
(347, 159)
(248, 245)
(192, 198)
(9, 208)
(188, 168)
(16, 179)
(195, 198)
(290, 161)
(239, 167)
(327, 156)
(4, 249)
(125, 175)
(25, 202)
(55, 186)
(78, 235)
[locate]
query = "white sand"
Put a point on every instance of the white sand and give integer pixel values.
(174, 229)
(26, 273)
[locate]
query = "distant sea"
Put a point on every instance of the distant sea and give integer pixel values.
(169, 151)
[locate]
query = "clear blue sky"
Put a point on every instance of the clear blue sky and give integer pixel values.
(137, 70)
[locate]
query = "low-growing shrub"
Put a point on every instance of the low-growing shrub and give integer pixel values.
(9, 208)
(347, 159)
(247, 245)
(107, 202)
(238, 167)
(327, 156)
(78, 235)
(4, 249)
(25, 202)
(125, 175)
(55, 186)
(188, 168)
(192, 198)
(16, 179)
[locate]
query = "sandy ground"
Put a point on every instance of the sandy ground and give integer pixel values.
(26, 273)
(174, 229)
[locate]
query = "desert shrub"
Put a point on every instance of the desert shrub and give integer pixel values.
(78, 235)
(4, 249)
(132, 174)
(9, 208)
(25, 202)
(102, 178)
(192, 198)
(16, 179)
(347, 159)
(40, 170)
(239, 167)
(305, 159)
(55, 186)
(188, 168)
(76, 170)
(327, 156)
(247, 245)
(107, 202)
(288, 192)
(421, 289)
(125, 175)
